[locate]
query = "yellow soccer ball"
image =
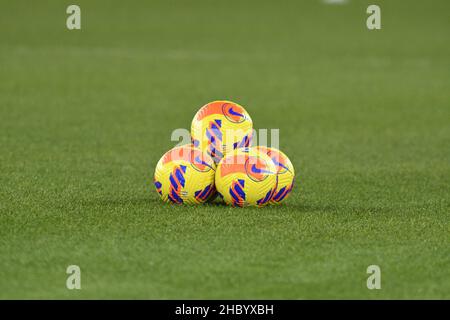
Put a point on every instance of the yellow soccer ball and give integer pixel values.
(219, 127)
(185, 174)
(285, 171)
(246, 177)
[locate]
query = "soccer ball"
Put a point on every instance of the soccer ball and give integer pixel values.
(246, 177)
(185, 174)
(220, 127)
(286, 173)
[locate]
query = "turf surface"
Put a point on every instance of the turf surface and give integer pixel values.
(363, 115)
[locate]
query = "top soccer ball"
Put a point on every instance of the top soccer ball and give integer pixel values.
(220, 127)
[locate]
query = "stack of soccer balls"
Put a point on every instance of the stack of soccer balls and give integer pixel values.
(220, 161)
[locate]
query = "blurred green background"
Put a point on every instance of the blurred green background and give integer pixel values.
(363, 115)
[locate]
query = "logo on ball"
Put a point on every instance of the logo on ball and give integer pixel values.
(256, 169)
(233, 112)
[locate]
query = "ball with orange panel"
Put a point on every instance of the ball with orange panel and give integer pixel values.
(185, 174)
(246, 177)
(286, 173)
(220, 127)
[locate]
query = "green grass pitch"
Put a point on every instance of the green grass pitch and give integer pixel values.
(363, 115)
